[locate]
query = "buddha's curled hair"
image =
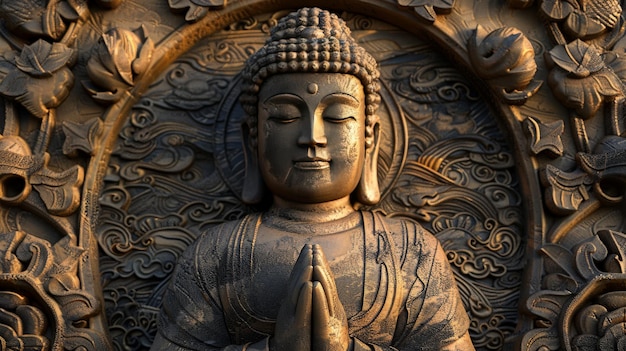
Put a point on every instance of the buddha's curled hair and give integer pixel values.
(310, 40)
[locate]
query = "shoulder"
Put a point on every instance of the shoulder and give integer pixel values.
(409, 235)
(216, 238)
(203, 256)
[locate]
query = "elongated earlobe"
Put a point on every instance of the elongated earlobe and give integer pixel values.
(253, 186)
(367, 192)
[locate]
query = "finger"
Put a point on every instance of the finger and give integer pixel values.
(322, 277)
(298, 281)
(306, 256)
(321, 319)
(304, 306)
(323, 274)
(301, 273)
(321, 315)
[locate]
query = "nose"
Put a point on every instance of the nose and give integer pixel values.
(313, 133)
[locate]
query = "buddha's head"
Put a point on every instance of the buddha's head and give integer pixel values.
(311, 95)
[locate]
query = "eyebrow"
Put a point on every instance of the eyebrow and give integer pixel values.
(283, 98)
(343, 98)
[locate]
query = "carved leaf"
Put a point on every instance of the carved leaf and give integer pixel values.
(14, 84)
(545, 137)
(59, 191)
(564, 191)
(81, 136)
(42, 58)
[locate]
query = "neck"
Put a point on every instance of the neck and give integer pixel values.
(317, 212)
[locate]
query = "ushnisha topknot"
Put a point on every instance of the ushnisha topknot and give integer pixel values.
(310, 40)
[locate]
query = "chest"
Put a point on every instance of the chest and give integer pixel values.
(275, 253)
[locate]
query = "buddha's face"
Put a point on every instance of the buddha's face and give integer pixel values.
(311, 135)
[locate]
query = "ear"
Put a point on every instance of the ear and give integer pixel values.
(253, 186)
(367, 192)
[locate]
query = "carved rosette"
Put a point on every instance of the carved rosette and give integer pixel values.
(581, 305)
(42, 304)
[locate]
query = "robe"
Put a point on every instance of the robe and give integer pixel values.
(395, 283)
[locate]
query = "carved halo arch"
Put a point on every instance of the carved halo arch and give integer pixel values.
(450, 33)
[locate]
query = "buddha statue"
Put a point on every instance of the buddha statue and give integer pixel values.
(313, 272)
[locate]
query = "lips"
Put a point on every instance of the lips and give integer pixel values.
(315, 164)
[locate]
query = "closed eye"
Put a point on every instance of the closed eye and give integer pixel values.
(283, 119)
(339, 119)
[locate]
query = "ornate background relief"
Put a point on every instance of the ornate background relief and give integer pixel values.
(504, 135)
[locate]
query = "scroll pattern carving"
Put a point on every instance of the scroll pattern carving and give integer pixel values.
(457, 181)
(575, 306)
(178, 168)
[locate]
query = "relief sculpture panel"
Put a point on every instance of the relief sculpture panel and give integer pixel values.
(501, 133)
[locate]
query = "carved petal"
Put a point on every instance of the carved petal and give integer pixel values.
(427, 9)
(587, 320)
(556, 9)
(579, 25)
(122, 47)
(194, 12)
(52, 23)
(577, 58)
(586, 95)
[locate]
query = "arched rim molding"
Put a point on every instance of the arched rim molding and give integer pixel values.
(449, 38)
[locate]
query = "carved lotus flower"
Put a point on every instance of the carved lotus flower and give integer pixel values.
(196, 8)
(602, 326)
(41, 19)
(581, 79)
(121, 55)
(505, 59)
(428, 9)
(39, 78)
(22, 325)
(584, 19)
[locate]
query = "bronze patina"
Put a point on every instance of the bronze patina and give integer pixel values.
(313, 272)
